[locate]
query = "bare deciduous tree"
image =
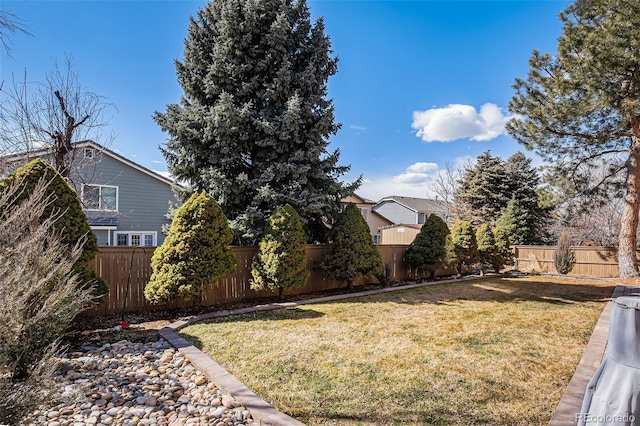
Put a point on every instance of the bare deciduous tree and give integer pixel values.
(9, 25)
(52, 115)
(445, 183)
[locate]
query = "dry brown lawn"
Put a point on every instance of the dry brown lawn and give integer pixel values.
(497, 351)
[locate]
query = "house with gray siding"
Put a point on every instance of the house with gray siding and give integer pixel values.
(126, 204)
(410, 210)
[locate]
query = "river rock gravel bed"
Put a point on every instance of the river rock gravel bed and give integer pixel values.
(134, 383)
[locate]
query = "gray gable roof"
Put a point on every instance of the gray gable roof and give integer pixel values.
(102, 150)
(419, 205)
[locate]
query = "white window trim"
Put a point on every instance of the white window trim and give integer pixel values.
(141, 233)
(89, 153)
(364, 211)
(100, 195)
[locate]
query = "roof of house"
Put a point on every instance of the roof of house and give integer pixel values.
(421, 205)
(103, 150)
(362, 199)
(403, 225)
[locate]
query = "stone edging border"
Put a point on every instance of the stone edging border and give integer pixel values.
(261, 411)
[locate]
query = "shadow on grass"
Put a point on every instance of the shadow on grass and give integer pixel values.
(288, 314)
(559, 292)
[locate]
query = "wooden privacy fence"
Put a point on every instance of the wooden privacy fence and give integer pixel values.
(123, 267)
(590, 261)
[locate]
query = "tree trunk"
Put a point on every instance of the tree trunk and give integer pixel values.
(627, 260)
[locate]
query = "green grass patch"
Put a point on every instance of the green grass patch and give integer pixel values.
(495, 351)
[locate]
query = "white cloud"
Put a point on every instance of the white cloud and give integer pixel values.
(416, 174)
(413, 182)
(458, 121)
(379, 187)
(422, 167)
(356, 127)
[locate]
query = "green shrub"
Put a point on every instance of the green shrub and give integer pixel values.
(464, 244)
(40, 294)
(487, 251)
(564, 258)
(281, 261)
(70, 221)
(519, 222)
(504, 255)
(428, 251)
(195, 252)
(352, 252)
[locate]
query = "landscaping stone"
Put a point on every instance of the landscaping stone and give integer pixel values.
(132, 383)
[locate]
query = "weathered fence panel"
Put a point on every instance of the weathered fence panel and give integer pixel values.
(590, 261)
(130, 267)
(123, 267)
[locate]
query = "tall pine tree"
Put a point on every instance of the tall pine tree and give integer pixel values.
(486, 189)
(483, 190)
(580, 107)
(253, 125)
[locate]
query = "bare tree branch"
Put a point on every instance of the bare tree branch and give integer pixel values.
(52, 115)
(10, 24)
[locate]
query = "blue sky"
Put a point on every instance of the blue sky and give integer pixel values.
(419, 83)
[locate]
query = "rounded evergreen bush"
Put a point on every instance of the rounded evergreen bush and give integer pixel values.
(64, 205)
(195, 252)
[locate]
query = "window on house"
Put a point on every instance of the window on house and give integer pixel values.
(364, 211)
(88, 153)
(121, 240)
(136, 238)
(100, 197)
(376, 239)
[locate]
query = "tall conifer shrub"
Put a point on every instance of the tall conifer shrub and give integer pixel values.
(352, 253)
(196, 252)
(69, 220)
(281, 261)
(428, 251)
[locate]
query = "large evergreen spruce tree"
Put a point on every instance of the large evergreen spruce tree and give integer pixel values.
(281, 261)
(253, 125)
(579, 108)
(486, 189)
(352, 253)
(196, 252)
(428, 251)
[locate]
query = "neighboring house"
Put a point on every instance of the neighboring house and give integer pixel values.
(374, 220)
(126, 204)
(409, 210)
(407, 215)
